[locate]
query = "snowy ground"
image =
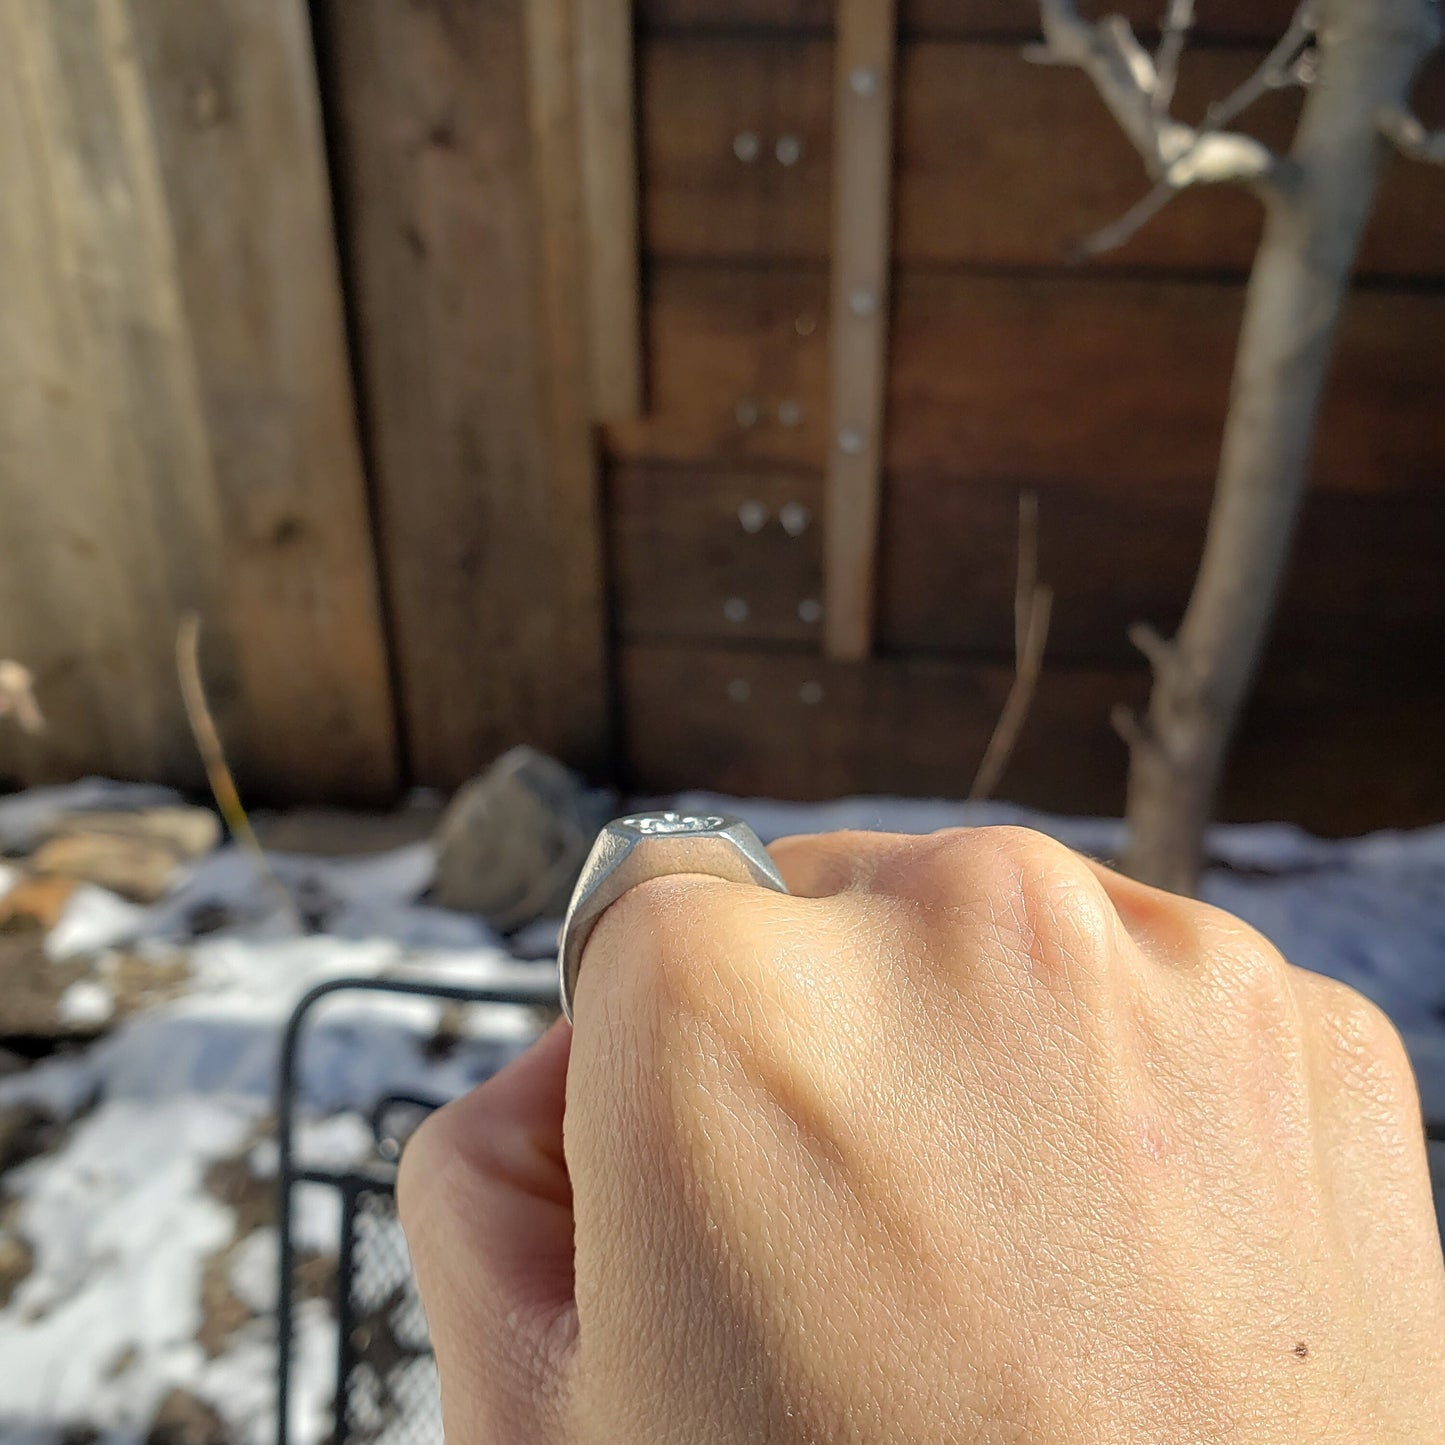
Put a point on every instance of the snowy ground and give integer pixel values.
(143, 1228)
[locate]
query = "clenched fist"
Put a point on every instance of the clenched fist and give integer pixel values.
(969, 1140)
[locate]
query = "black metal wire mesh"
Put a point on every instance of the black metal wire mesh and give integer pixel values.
(388, 1394)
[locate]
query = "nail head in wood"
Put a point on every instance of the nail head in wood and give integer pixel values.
(735, 609)
(789, 150)
(863, 81)
(747, 146)
(753, 516)
(850, 441)
(795, 518)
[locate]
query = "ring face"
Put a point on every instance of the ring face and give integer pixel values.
(642, 846)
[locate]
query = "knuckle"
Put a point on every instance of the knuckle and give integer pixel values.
(1360, 1032)
(1025, 886)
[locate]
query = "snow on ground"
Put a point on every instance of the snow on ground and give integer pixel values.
(123, 1220)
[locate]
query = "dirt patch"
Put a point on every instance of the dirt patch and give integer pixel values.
(184, 1420)
(26, 1129)
(16, 1258)
(33, 986)
(253, 1198)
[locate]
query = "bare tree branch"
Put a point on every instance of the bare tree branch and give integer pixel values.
(1128, 81)
(1278, 70)
(1139, 89)
(1411, 139)
(1178, 22)
(1122, 231)
(1033, 606)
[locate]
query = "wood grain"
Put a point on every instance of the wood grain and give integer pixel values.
(1218, 19)
(999, 163)
(237, 121)
(1316, 748)
(608, 166)
(863, 70)
(176, 417)
(1364, 582)
(482, 472)
(1119, 383)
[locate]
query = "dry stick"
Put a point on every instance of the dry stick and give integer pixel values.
(1033, 605)
(218, 772)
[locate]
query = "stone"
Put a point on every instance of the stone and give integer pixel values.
(513, 841)
(190, 833)
(141, 869)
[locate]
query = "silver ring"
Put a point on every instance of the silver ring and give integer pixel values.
(654, 845)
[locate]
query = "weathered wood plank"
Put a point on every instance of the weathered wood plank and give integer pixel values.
(716, 554)
(605, 85)
(1000, 163)
(1316, 748)
(233, 95)
(483, 486)
(864, 64)
(1118, 383)
(151, 386)
(1364, 582)
(1219, 19)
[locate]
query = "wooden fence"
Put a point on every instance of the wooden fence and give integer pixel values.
(473, 366)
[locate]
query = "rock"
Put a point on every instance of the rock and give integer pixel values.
(141, 869)
(35, 903)
(27, 818)
(513, 841)
(189, 832)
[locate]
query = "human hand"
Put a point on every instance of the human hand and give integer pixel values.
(969, 1140)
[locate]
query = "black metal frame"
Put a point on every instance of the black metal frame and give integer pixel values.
(352, 1184)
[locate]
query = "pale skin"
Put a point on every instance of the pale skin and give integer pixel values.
(968, 1140)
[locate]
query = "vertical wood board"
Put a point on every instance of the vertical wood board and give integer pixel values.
(862, 224)
(140, 233)
(479, 439)
(608, 163)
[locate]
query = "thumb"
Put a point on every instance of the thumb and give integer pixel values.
(486, 1204)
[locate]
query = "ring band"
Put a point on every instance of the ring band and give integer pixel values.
(634, 849)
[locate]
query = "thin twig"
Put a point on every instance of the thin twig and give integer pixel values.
(1139, 89)
(1026, 584)
(218, 772)
(1033, 605)
(1411, 139)
(1112, 236)
(1276, 70)
(1178, 22)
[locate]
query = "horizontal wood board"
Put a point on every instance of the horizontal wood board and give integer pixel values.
(1217, 19)
(1118, 383)
(1324, 753)
(999, 163)
(1364, 584)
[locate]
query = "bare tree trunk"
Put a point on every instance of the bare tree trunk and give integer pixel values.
(1369, 51)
